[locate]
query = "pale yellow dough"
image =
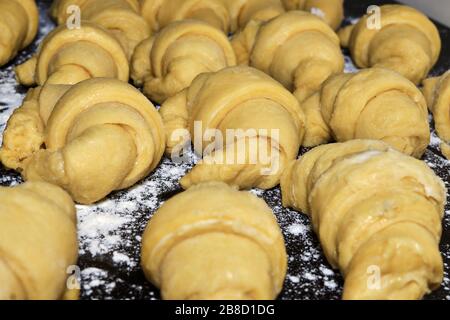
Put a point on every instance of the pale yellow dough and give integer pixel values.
(331, 11)
(437, 92)
(244, 11)
(167, 63)
(120, 17)
(69, 56)
(226, 15)
(160, 13)
(38, 241)
(19, 21)
(297, 48)
(407, 42)
(214, 243)
(377, 213)
(236, 98)
(92, 138)
(371, 104)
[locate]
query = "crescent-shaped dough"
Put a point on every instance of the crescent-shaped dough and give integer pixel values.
(226, 15)
(331, 11)
(168, 62)
(70, 56)
(296, 48)
(371, 104)
(244, 11)
(100, 135)
(374, 210)
(120, 17)
(38, 241)
(406, 42)
(213, 242)
(238, 98)
(19, 21)
(160, 13)
(437, 92)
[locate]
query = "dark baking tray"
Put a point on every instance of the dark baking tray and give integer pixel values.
(109, 231)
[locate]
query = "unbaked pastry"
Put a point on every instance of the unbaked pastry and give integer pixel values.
(160, 13)
(19, 21)
(377, 213)
(168, 62)
(371, 104)
(69, 56)
(38, 241)
(297, 48)
(332, 11)
(239, 98)
(244, 11)
(92, 138)
(120, 17)
(407, 42)
(437, 92)
(214, 243)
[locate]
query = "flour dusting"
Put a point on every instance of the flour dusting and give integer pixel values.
(110, 232)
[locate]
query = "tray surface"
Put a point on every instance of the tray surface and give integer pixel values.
(110, 231)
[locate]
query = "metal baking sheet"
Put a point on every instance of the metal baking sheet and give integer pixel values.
(109, 232)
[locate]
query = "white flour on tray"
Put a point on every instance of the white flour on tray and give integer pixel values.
(110, 231)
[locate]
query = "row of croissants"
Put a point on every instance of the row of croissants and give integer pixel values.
(83, 131)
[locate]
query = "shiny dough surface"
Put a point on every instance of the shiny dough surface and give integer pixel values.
(236, 98)
(373, 103)
(373, 208)
(38, 241)
(222, 244)
(100, 135)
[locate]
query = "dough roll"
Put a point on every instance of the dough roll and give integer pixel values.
(244, 11)
(69, 56)
(38, 241)
(120, 17)
(406, 42)
(167, 63)
(19, 21)
(331, 11)
(371, 104)
(160, 13)
(377, 213)
(265, 117)
(226, 15)
(92, 138)
(297, 48)
(437, 92)
(214, 243)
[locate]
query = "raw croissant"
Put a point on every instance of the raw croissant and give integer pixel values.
(38, 241)
(100, 135)
(332, 11)
(239, 98)
(19, 21)
(296, 48)
(160, 13)
(437, 93)
(70, 56)
(120, 17)
(168, 62)
(371, 104)
(244, 11)
(377, 213)
(214, 243)
(406, 42)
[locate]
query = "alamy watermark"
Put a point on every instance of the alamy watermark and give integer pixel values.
(374, 18)
(74, 278)
(73, 20)
(374, 278)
